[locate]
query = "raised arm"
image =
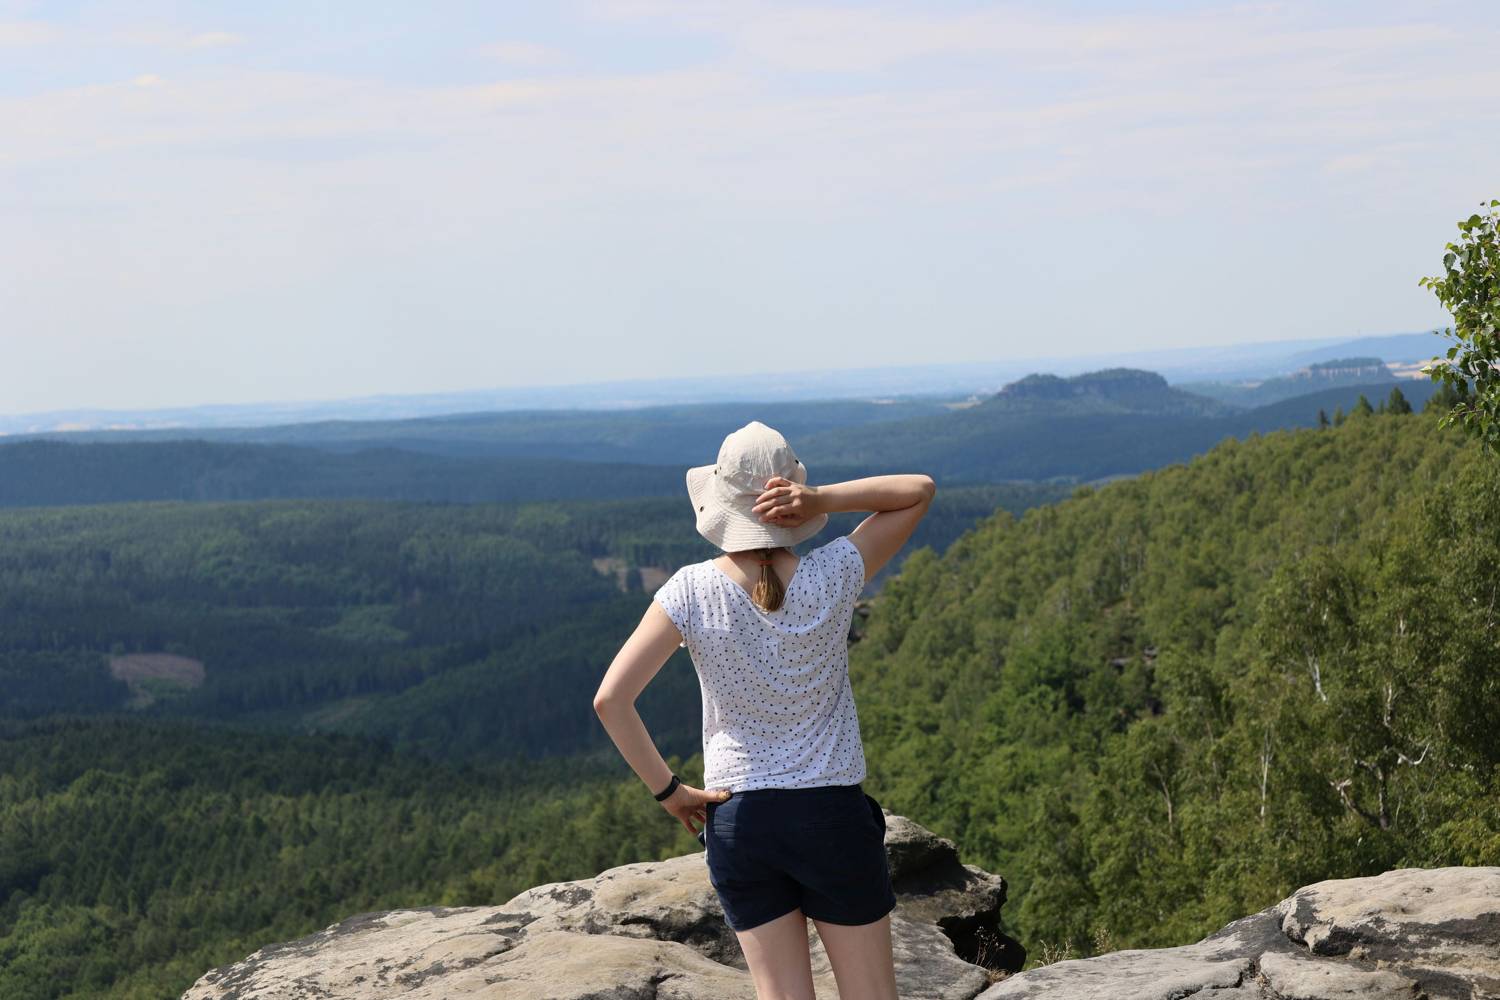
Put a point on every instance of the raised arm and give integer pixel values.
(898, 503)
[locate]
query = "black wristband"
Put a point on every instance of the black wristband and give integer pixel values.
(671, 787)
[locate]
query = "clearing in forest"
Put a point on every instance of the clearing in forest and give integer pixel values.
(153, 674)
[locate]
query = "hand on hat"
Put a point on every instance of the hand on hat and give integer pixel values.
(786, 504)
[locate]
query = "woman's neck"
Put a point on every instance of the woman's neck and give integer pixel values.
(784, 563)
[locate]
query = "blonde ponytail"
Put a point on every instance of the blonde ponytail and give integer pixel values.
(769, 592)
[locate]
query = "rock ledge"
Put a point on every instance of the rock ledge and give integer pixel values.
(645, 931)
(1410, 934)
(654, 931)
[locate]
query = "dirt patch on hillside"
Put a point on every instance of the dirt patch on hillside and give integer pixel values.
(611, 566)
(651, 576)
(151, 673)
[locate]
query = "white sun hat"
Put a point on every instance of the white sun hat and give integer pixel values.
(724, 492)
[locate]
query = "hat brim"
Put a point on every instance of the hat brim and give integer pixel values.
(735, 530)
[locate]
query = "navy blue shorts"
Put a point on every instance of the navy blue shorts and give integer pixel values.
(772, 850)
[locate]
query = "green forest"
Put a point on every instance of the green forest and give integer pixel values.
(460, 630)
(1164, 704)
(1154, 705)
(41, 473)
(135, 855)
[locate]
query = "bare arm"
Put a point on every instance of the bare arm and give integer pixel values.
(639, 660)
(874, 493)
(899, 502)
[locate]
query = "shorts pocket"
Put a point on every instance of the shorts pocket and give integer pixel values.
(876, 811)
(845, 814)
(722, 818)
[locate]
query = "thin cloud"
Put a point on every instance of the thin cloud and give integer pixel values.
(214, 40)
(522, 53)
(1261, 87)
(177, 39)
(20, 33)
(825, 168)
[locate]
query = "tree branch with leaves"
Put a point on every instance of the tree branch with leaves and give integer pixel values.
(1469, 288)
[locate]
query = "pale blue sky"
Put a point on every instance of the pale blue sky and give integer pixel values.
(214, 203)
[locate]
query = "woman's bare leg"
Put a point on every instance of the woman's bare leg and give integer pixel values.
(861, 958)
(779, 960)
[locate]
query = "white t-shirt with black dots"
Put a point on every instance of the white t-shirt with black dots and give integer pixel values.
(778, 711)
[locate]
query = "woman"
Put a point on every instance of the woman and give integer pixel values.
(790, 833)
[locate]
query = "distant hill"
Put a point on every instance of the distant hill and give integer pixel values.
(1395, 347)
(1357, 368)
(1312, 378)
(913, 383)
(655, 435)
(1302, 411)
(1094, 426)
(1090, 427)
(1112, 390)
(53, 472)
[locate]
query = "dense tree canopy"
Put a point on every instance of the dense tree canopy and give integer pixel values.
(460, 630)
(1165, 703)
(136, 855)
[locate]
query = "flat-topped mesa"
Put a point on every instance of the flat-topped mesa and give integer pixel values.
(1106, 392)
(1109, 382)
(646, 930)
(1372, 369)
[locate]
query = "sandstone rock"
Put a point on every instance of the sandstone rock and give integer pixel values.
(645, 930)
(1216, 967)
(1297, 978)
(1410, 934)
(655, 930)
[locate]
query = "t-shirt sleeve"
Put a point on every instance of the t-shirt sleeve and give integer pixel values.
(673, 597)
(850, 567)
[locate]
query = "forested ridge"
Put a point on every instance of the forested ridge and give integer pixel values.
(668, 434)
(40, 473)
(1102, 424)
(1163, 704)
(1088, 427)
(458, 630)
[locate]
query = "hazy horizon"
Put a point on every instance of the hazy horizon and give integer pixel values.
(1084, 358)
(212, 204)
(1236, 363)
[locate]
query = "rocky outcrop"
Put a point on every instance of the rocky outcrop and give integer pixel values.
(1410, 934)
(645, 930)
(1345, 370)
(655, 930)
